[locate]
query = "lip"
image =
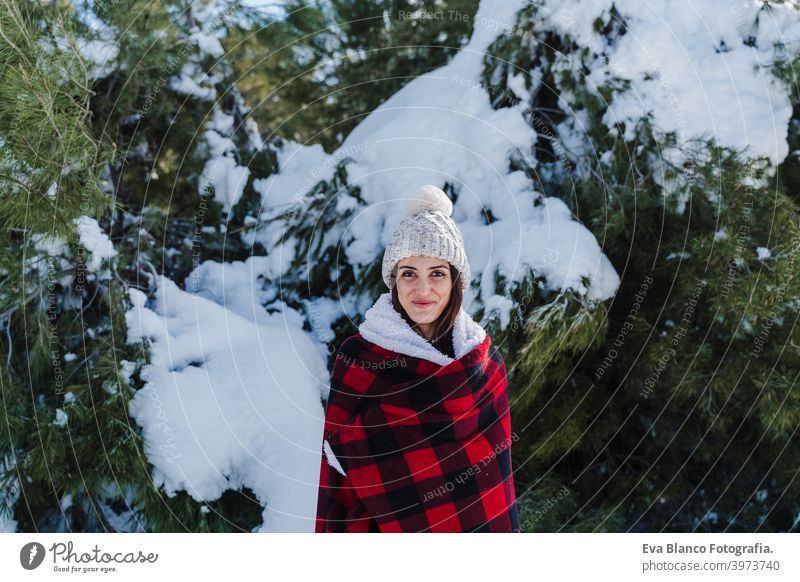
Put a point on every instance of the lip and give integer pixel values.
(422, 303)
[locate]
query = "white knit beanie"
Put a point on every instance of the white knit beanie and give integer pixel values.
(427, 231)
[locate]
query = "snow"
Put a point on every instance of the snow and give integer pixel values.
(141, 323)
(229, 402)
(516, 83)
(98, 54)
(440, 128)
(712, 516)
(254, 139)
(501, 305)
(52, 245)
(222, 171)
(323, 313)
(101, 54)
(300, 168)
(191, 81)
(680, 71)
(682, 256)
(61, 418)
(274, 8)
(231, 396)
(219, 128)
(234, 285)
(97, 243)
(227, 179)
(9, 494)
(127, 369)
(207, 43)
(130, 520)
(58, 258)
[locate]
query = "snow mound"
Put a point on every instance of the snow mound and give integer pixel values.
(229, 403)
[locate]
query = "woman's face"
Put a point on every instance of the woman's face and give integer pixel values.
(423, 287)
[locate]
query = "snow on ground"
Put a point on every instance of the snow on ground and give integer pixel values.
(440, 128)
(230, 401)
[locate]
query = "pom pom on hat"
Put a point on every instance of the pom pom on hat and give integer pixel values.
(429, 197)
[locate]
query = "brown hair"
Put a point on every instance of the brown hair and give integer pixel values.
(443, 327)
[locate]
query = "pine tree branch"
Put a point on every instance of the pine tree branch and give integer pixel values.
(11, 310)
(37, 292)
(16, 180)
(10, 344)
(45, 106)
(84, 88)
(12, 12)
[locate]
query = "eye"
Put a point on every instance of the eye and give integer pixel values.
(439, 274)
(408, 273)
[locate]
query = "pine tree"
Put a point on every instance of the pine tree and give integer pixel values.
(673, 406)
(683, 416)
(132, 156)
(61, 375)
(316, 71)
(164, 155)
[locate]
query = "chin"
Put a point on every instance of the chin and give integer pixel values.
(418, 317)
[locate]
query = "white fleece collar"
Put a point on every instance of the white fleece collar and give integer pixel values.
(384, 326)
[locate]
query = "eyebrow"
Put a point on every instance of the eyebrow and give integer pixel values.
(410, 267)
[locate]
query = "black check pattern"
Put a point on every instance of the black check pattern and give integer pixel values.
(425, 447)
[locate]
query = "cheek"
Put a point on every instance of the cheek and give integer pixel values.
(443, 287)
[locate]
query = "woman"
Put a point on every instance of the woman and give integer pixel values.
(417, 431)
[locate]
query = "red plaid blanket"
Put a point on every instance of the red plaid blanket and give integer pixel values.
(423, 447)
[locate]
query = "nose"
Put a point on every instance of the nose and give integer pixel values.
(422, 286)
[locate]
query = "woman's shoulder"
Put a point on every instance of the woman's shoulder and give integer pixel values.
(354, 340)
(357, 348)
(494, 352)
(352, 345)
